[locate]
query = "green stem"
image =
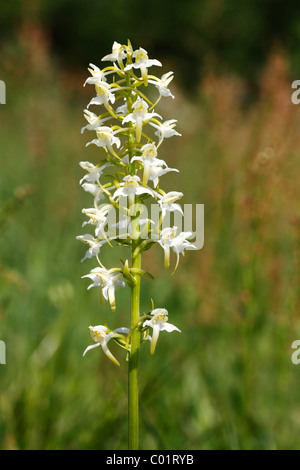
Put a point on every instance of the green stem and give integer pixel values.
(133, 388)
(133, 393)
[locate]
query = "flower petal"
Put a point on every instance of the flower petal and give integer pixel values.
(155, 335)
(109, 354)
(169, 328)
(92, 346)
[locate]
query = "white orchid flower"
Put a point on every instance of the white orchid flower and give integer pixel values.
(104, 94)
(156, 171)
(108, 280)
(142, 62)
(94, 122)
(154, 168)
(131, 187)
(102, 335)
(118, 53)
(159, 322)
(93, 189)
(167, 202)
(106, 138)
(93, 243)
(149, 160)
(139, 116)
(179, 243)
(97, 217)
(97, 75)
(149, 151)
(165, 130)
(94, 171)
(134, 168)
(166, 237)
(162, 84)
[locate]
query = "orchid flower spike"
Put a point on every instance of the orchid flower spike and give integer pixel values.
(105, 138)
(128, 132)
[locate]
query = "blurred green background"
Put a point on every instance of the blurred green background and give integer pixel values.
(227, 382)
